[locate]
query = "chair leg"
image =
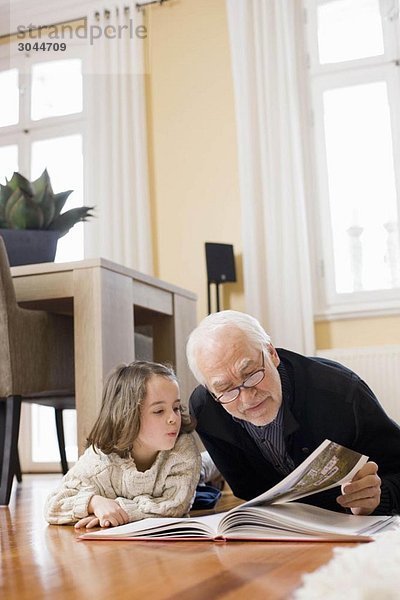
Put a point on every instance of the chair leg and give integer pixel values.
(18, 472)
(61, 439)
(10, 412)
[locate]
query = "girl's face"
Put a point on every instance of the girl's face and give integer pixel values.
(160, 420)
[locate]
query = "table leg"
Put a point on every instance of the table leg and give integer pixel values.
(103, 328)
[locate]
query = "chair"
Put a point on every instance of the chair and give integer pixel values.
(36, 365)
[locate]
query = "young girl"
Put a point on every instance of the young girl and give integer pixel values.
(141, 460)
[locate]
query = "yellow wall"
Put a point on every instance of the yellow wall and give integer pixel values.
(192, 143)
(357, 332)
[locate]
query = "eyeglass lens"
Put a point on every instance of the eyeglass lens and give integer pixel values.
(250, 382)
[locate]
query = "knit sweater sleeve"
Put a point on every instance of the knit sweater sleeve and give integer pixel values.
(69, 502)
(179, 476)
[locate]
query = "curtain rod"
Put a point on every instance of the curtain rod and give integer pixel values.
(75, 20)
(139, 7)
(142, 5)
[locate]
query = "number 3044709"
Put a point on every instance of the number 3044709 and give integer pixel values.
(42, 46)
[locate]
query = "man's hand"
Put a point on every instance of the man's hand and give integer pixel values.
(103, 512)
(362, 495)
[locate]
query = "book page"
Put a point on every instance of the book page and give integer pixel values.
(154, 528)
(298, 518)
(328, 466)
(302, 518)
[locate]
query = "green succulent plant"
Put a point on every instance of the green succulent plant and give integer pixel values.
(33, 205)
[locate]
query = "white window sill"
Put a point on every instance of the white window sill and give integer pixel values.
(359, 311)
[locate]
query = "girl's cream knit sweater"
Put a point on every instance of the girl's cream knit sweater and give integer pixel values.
(165, 490)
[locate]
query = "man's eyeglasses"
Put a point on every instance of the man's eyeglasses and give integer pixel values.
(250, 382)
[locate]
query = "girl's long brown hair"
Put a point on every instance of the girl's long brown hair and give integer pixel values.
(118, 423)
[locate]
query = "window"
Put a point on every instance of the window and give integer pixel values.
(42, 125)
(354, 54)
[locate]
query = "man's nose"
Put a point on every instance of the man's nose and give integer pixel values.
(246, 395)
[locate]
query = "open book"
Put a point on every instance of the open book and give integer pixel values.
(271, 516)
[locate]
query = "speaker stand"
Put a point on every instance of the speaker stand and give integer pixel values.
(216, 296)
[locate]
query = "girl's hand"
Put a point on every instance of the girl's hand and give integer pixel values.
(88, 522)
(108, 512)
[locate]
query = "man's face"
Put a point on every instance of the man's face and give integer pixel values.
(227, 362)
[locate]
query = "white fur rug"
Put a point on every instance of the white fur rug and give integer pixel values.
(366, 572)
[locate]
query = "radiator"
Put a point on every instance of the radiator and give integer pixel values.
(379, 367)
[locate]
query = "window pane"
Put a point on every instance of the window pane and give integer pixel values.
(63, 159)
(8, 162)
(9, 97)
(348, 30)
(362, 191)
(44, 436)
(56, 88)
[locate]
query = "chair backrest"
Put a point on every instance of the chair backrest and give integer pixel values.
(36, 346)
(7, 286)
(8, 307)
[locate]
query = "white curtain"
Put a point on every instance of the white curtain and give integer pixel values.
(263, 36)
(117, 173)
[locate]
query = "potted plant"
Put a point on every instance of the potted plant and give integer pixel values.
(31, 221)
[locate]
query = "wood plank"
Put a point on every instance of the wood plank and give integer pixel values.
(96, 263)
(44, 286)
(152, 298)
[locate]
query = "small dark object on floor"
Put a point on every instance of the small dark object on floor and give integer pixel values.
(206, 497)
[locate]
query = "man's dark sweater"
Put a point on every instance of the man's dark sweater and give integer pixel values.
(328, 402)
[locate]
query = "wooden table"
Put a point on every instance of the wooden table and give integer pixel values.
(47, 562)
(107, 301)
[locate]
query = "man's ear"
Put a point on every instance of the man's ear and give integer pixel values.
(274, 355)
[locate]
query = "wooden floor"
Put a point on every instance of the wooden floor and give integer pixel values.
(40, 561)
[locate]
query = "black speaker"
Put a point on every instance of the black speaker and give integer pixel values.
(220, 263)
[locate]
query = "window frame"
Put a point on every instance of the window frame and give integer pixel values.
(21, 131)
(329, 303)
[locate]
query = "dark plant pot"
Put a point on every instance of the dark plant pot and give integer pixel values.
(29, 246)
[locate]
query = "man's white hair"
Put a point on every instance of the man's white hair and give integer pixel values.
(214, 327)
